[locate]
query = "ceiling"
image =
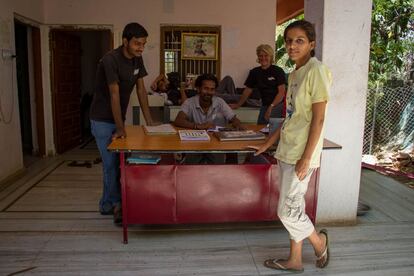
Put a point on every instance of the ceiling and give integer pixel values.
(288, 9)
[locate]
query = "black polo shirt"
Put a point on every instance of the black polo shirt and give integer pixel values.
(115, 67)
(266, 81)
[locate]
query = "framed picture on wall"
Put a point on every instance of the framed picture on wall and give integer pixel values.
(199, 46)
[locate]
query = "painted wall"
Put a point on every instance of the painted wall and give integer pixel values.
(11, 160)
(344, 30)
(242, 29)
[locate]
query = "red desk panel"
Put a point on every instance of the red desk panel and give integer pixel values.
(225, 193)
(170, 194)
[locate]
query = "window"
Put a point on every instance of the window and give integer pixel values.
(170, 51)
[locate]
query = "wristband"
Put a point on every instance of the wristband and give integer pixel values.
(272, 105)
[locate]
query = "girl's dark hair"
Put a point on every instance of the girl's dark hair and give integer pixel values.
(134, 30)
(305, 26)
(203, 77)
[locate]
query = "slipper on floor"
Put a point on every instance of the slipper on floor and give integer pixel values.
(275, 264)
(325, 255)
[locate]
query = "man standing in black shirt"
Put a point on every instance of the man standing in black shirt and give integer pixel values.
(118, 72)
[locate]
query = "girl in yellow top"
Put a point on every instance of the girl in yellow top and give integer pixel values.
(300, 145)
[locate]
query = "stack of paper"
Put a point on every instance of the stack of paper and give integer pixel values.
(144, 159)
(193, 135)
(164, 129)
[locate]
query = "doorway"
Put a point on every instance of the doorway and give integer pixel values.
(75, 55)
(30, 92)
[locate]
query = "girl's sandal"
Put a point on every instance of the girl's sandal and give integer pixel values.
(323, 260)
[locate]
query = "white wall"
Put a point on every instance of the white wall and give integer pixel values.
(345, 28)
(11, 158)
(245, 24)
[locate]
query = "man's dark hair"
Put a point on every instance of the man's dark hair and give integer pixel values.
(134, 30)
(204, 77)
(174, 79)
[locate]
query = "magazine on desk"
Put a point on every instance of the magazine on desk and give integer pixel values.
(164, 129)
(239, 135)
(193, 135)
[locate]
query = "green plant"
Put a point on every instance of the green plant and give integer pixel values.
(392, 36)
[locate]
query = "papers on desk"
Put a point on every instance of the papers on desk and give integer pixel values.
(265, 129)
(215, 129)
(144, 159)
(193, 135)
(164, 129)
(220, 128)
(239, 135)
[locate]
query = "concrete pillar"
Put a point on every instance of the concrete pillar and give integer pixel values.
(343, 30)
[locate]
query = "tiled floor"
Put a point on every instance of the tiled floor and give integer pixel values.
(49, 225)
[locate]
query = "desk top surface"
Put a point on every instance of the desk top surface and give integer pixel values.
(138, 141)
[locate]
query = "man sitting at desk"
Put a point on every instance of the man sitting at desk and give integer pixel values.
(205, 111)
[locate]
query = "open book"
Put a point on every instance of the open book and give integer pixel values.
(193, 135)
(164, 129)
(239, 135)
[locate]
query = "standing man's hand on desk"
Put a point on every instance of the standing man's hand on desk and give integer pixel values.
(119, 133)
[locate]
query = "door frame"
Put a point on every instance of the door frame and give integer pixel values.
(36, 66)
(69, 29)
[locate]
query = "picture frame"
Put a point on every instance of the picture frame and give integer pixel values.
(199, 46)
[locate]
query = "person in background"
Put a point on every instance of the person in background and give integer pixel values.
(206, 111)
(270, 80)
(118, 72)
(170, 85)
(300, 145)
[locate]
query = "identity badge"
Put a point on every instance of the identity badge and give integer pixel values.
(136, 71)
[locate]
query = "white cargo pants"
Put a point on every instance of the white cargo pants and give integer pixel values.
(291, 207)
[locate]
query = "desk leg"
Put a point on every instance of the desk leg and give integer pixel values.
(124, 203)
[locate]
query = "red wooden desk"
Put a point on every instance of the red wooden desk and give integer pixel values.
(170, 193)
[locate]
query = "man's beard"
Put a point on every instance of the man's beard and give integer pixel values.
(207, 98)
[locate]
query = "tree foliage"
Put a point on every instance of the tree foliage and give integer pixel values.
(392, 42)
(392, 36)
